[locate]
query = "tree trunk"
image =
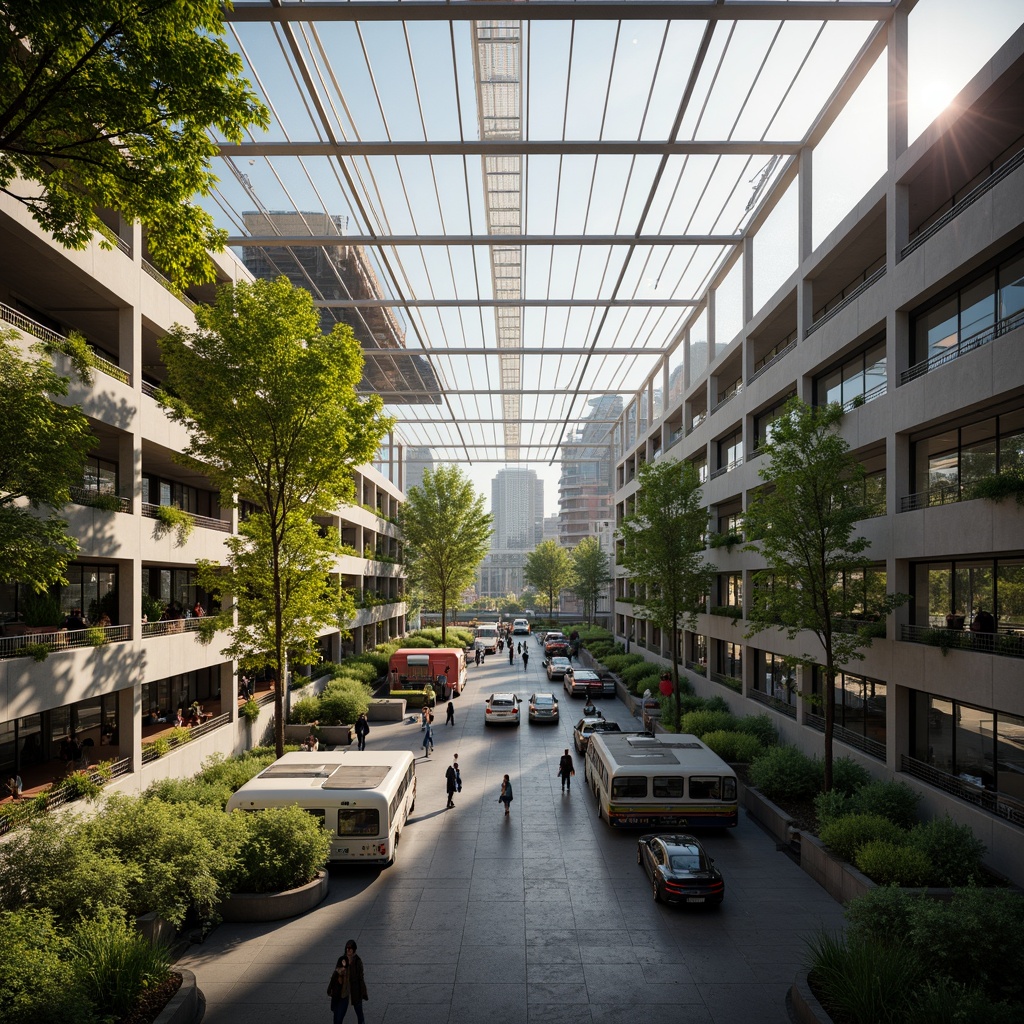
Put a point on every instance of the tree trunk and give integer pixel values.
(675, 677)
(830, 718)
(444, 616)
(280, 658)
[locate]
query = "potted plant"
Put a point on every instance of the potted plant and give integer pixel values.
(42, 613)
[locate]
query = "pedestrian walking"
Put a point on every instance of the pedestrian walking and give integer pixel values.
(449, 715)
(478, 653)
(519, 647)
(566, 770)
(526, 659)
(453, 780)
(424, 717)
(428, 739)
(362, 728)
(511, 653)
(506, 794)
(348, 985)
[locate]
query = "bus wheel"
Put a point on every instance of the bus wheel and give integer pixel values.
(394, 851)
(599, 814)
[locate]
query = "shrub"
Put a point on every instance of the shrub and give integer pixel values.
(941, 1001)
(344, 700)
(830, 806)
(757, 725)
(617, 662)
(845, 836)
(633, 674)
(283, 847)
(848, 776)
(79, 785)
(784, 773)
(892, 863)
(700, 722)
(418, 642)
(735, 747)
(893, 800)
(363, 670)
(189, 792)
(234, 772)
(954, 851)
(305, 710)
(250, 710)
(863, 982)
(113, 963)
(881, 913)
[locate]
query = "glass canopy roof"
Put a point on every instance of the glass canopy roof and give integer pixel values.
(520, 206)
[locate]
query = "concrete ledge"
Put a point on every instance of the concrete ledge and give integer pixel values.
(157, 931)
(806, 1008)
(184, 1004)
(332, 735)
(772, 817)
(275, 906)
(390, 710)
(840, 880)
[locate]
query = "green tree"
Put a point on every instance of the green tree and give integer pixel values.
(549, 568)
(802, 524)
(43, 448)
(446, 531)
(274, 419)
(663, 551)
(590, 567)
(114, 103)
(311, 599)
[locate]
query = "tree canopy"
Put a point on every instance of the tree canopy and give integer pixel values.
(802, 523)
(274, 419)
(549, 568)
(43, 448)
(111, 104)
(445, 531)
(590, 569)
(663, 551)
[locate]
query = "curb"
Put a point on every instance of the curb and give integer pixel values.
(251, 907)
(184, 1004)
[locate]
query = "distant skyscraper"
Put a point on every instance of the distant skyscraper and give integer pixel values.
(551, 527)
(417, 462)
(517, 505)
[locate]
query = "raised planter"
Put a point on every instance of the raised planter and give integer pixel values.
(840, 880)
(155, 929)
(771, 816)
(806, 1008)
(184, 1004)
(386, 710)
(274, 906)
(331, 735)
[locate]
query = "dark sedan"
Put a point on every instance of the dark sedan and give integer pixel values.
(680, 869)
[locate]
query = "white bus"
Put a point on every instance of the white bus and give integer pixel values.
(486, 637)
(364, 799)
(663, 782)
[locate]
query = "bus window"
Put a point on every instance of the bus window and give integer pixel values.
(629, 786)
(320, 815)
(364, 822)
(705, 788)
(668, 786)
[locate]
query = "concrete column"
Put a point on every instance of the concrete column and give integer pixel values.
(129, 343)
(129, 721)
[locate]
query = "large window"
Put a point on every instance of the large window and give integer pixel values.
(970, 314)
(950, 594)
(99, 476)
(980, 746)
(730, 450)
(764, 422)
(776, 678)
(860, 377)
(93, 588)
(860, 703)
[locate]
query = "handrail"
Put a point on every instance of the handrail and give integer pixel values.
(943, 495)
(771, 362)
(773, 703)
(162, 280)
(847, 736)
(737, 389)
(13, 645)
(956, 209)
(150, 510)
(855, 294)
(722, 470)
(1006, 641)
(88, 497)
(165, 627)
(975, 341)
(59, 341)
(868, 396)
(999, 804)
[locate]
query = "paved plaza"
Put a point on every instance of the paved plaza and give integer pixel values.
(541, 917)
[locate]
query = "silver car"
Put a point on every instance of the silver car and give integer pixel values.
(559, 667)
(543, 707)
(502, 709)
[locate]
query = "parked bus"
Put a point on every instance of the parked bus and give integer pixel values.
(486, 637)
(364, 799)
(411, 668)
(661, 782)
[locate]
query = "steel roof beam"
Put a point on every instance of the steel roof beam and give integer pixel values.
(311, 241)
(512, 303)
(518, 350)
(557, 10)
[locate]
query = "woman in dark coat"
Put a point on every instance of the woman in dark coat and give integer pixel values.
(348, 985)
(506, 794)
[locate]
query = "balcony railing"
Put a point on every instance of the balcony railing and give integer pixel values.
(975, 341)
(696, 421)
(869, 396)
(160, 279)
(968, 200)
(999, 804)
(59, 342)
(100, 499)
(844, 302)
(771, 362)
(852, 739)
(206, 522)
(1007, 642)
(14, 646)
(947, 494)
(773, 703)
(731, 393)
(722, 470)
(731, 681)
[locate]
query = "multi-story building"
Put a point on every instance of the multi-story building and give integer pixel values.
(517, 505)
(126, 562)
(910, 313)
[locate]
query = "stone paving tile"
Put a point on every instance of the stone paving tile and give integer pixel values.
(541, 919)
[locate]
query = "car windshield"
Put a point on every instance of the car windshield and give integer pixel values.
(543, 698)
(501, 702)
(688, 861)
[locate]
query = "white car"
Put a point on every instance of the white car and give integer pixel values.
(521, 627)
(502, 709)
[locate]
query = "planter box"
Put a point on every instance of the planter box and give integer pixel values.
(774, 819)
(332, 735)
(184, 1005)
(392, 710)
(275, 906)
(840, 880)
(156, 930)
(806, 1008)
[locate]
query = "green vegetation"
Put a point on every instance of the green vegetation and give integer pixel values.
(550, 569)
(591, 575)
(170, 518)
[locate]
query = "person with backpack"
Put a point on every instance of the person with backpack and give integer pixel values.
(362, 729)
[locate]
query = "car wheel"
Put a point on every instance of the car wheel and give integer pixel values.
(639, 859)
(655, 890)
(600, 812)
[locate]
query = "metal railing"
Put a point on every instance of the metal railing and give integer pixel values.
(852, 739)
(975, 341)
(968, 200)
(28, 326)
(730, 681)
(14, 646)
(1006, 642)
(722, 470)
(91, 498)
(732, 392)
(1000, 804)
(166, 627)
(844, 302)
(771, 362)
(869, 396)
(943, 495)
(773, 703)
(150, 389)
(696, 422)
(206, 522)
(160, 279)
